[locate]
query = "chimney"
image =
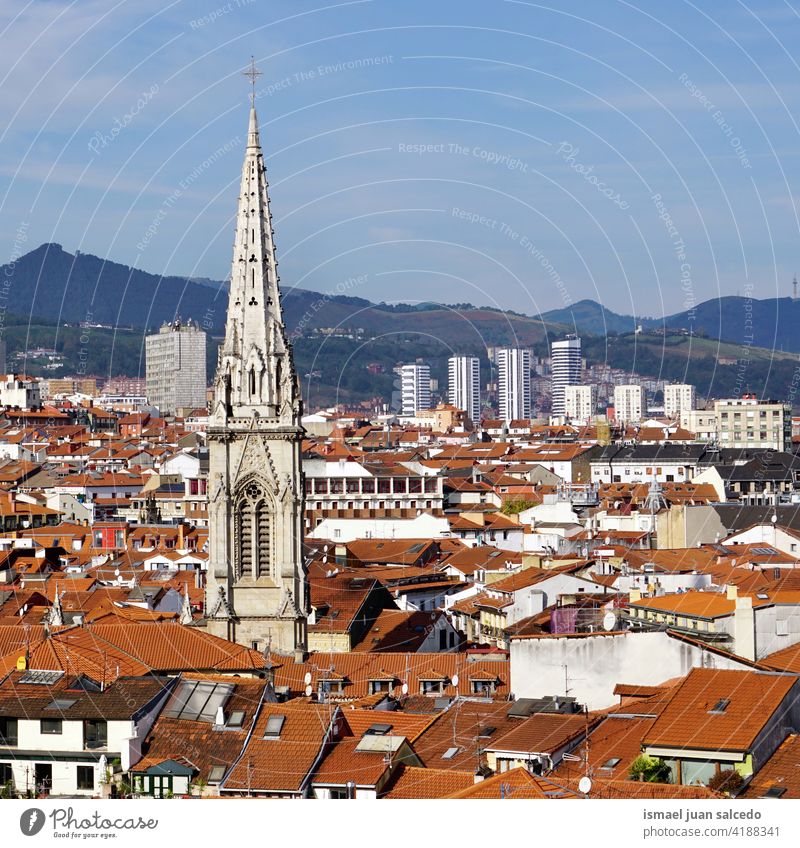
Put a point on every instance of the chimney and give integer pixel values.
(732, 593)
(744, 629)
(219, 719)
(181, 538)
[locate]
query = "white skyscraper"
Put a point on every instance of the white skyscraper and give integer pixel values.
(415, 382)
(176, 367)
(514, 383)
(580, 402)
(565, 363)
(678, 399)
(464, 384)
(630, 403)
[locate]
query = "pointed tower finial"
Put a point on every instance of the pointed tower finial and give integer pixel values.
(253, 73)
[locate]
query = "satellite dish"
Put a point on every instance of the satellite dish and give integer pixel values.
(324, 549)
(455, 680)
(585, 785)
(309, 690)
(774, 518)
(609, 621)
(307, 678)
(404, 688)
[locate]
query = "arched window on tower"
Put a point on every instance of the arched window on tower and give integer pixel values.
(252, 383)
(253, 526)
(278, 381)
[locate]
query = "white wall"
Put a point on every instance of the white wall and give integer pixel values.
(594, 664)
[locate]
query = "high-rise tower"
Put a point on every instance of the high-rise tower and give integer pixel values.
(256, 592)
(565, 363)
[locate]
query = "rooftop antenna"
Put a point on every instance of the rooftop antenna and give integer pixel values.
(253, 73)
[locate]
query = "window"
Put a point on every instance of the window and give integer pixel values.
(611, 763)
(450, 753)
(95, 733)
(235, 719)
(721, 705)
(216, 774)
(85, 777)
(429, 687)
(482, 687)
(378, 686)
(50, 726)
(328, 687)
(274, 726)
(8, 731)
(368, 486)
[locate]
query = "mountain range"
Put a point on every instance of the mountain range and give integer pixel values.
(346, 347)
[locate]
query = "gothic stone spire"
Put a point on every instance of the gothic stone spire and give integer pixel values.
(256, 591)
(255, 372)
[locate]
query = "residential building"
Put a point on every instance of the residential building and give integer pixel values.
(679, 398)
(580, 402)
(565, 363)
(701, 422)
(630, 403)
(513, 383)
(415, 387)
(60, 732)
(464, 375)
(746, 422)
(20, 391)
(176, 367)
(645, 463)
(723, 720)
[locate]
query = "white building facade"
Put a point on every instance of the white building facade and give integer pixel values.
(415, 383)
(630, 403)
(514, 383)
(580, 402)
(565, 363)
(464, 385)
(679, 398)
(176, 367)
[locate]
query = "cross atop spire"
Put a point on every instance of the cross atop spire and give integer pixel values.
(253, 73)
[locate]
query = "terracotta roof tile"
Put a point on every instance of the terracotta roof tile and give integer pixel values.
(691, 718)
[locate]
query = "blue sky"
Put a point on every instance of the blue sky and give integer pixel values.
(517, 154)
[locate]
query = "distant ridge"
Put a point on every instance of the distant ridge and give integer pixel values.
(55, 285)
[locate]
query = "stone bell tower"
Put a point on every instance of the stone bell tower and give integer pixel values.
(256, 590)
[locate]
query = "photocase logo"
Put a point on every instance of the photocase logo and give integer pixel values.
(31, 821)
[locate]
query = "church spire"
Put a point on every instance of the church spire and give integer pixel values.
(255, 591)
(255, 373)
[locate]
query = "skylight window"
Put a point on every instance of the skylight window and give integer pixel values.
(378, 729)
(610, 764)
(721, 705)
(450, 753)
(775, 792)
(60, 704)
(486, 732)
(236, 719)
(274, 726)
(216, 774)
